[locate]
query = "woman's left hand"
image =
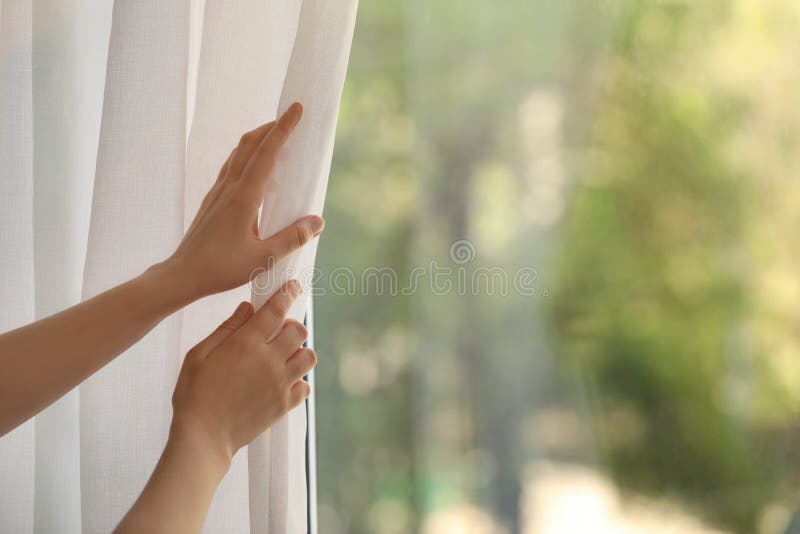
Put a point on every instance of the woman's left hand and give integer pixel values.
(222, 249)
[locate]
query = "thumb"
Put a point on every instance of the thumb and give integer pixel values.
(291, 238)
(233, 323)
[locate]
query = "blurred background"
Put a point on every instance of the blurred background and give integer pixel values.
(631, 169)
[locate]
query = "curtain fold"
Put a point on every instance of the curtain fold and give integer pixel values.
(315, 76)
(240, 72)
(68, 59)
(137, 219)
(132, 109)
(17, 293)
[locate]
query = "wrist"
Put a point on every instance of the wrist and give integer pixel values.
(180, 490)
(191, 440)
(174, 278)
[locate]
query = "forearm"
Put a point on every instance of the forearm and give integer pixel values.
(232, 386)
(45, 359)
(178, 494)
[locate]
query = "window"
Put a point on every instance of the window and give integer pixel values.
(570, 229)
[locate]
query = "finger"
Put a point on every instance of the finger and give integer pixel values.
(300, 363)
(271, 315)
(211, 196)
(233, 323)
(224, 170)
(259, 168)
(248, 144)
(278, 246)
(292, 335)
(299, 392)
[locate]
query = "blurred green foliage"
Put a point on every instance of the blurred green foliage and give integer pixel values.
(641, 156)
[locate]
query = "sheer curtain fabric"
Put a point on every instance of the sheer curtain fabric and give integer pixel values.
(114, 119)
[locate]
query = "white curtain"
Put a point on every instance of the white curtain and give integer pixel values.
(114, 119)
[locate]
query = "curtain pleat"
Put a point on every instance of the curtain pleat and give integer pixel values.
(69, 59)
(16, 239)
(137, 220)
(115, 121)
(244, 51)
(315, 76)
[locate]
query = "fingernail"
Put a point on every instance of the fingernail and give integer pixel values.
(298, 112)
(317, 224)
(241, 309)
(294, 287)
(295, 111)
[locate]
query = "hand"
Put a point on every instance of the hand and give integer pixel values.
(232, 386)
(244, 376)
(222, 247)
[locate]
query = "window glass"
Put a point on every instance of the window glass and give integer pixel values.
(560, 283)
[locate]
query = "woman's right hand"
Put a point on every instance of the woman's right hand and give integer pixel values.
(243, 377)
(232, 386)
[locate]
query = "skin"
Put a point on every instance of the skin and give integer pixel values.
(232, 386)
